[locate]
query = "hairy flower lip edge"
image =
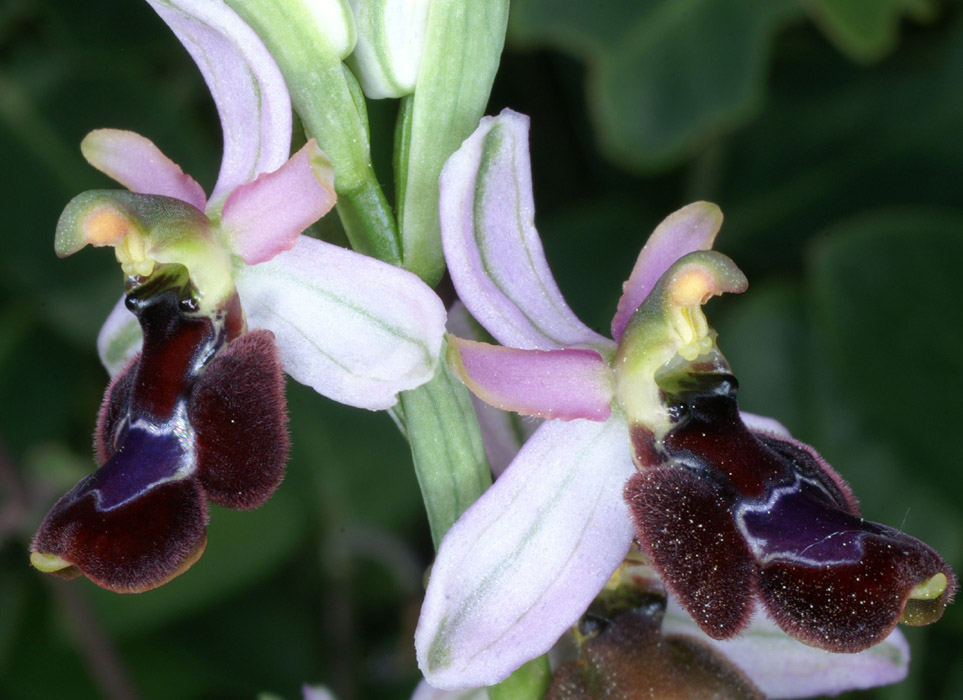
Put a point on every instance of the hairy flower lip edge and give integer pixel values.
(761, 653)
(781, 580)
(236, 42)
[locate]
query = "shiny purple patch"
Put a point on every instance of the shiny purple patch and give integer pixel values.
(728, 516)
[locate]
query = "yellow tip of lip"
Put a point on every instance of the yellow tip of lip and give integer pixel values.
(930, 589)
(48, 563)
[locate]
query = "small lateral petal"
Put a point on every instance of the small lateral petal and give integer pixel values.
(264, 217)
(525, 561)
(494, 254)
(248, 88)
(351, 327)
(564, 384)
(692, 228)
(502, 432)
(140, 166)
(783, 667)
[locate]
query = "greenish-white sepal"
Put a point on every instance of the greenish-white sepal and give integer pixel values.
(120, 339)
(351, 327)
(784, 667)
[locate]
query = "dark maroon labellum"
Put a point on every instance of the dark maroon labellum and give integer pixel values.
(729, 516)
(199, 415)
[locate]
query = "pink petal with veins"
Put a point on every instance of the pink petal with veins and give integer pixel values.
(140, 166)
(494, 255)
(693, 227)
(523, 563)
(565, 384)
(246, 84)
(264, 217)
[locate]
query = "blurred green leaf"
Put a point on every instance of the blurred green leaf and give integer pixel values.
(331, 593)
(885, 286)
(352, 463)
(852, 139)
(867, 30)
(765, 336)
(13, 592)
(663, 77)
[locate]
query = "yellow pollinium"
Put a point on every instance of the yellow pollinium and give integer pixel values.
(48, 563)
(105, 226)
(689, 290)
(670, 324)
(930, 589)
(132, 256)
(692, 285)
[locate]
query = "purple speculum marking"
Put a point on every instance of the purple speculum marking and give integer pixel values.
(149, 456)
(154, 440)
(799, 523)
(198, 417)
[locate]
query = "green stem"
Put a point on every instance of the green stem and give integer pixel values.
(528, 682)
(463, 47)
(438, 417)
(330, 105)
(447, 448)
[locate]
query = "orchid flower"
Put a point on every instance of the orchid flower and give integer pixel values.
(729, 513)
(226, 291)
(654, 625)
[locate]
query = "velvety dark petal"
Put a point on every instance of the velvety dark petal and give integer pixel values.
(686, 530)
(631, 660)
(136, 546)
(834, 580)
(826, 576)
(239, 416)
(113, 410)
(176, 343)
(712, 439)
(810, 465)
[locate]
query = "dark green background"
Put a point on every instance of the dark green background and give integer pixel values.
(831, 134)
